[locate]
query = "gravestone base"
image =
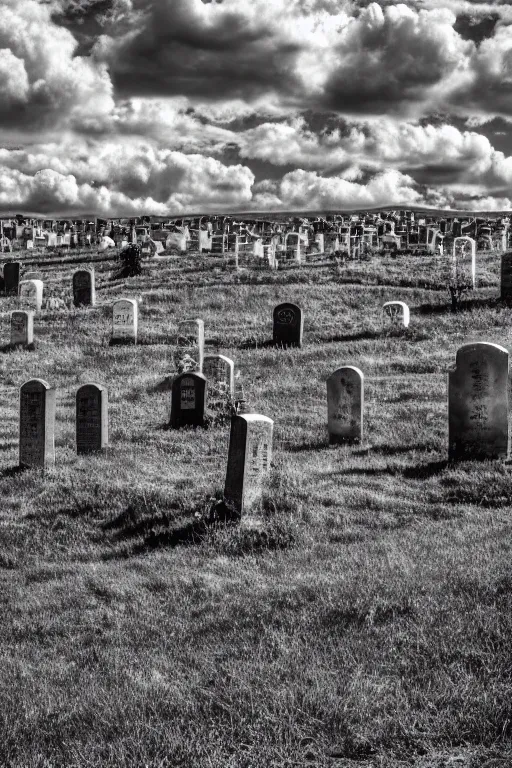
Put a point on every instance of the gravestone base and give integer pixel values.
(127, 342)
(341, 440)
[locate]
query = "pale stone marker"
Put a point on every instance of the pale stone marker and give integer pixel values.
(189, 353)
(345, 402)
(22, 328)
(91, 418)
(249, 460)
(37, 424)
(188, 400)
(31, 294)
(125, 321)
(30, 245)
(396, 314)
(84, 292)
(288, 325)
(506, 277)
(463, 261)
(220, 373)
(11, 277)
(478, 402)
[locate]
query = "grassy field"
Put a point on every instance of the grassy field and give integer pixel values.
(366, 622)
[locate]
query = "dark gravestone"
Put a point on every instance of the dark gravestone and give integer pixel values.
(288, 325)
(84, 293)
(188, 400)
(22, 328)
(249, 459)
(506, 277)
(91, 418)
(37, 424)
(11, 277)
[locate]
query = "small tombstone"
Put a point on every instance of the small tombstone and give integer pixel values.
(345, 401)
(506, 277)
(249, 459)
(478, 402)
(31, 294)
(220, 373)
(30, 245)
(288, 325)
(188, 400)
(189, 353)
(91, 418)
(11, 277)
(37, 424)
(84, 292)
(396, 314)
(22, 328)
(462, 266)
(124, 321)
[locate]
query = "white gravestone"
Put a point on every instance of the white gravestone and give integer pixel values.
(345, 401)
(125, 320)
(22, 328)
(31, 294)
(463, 261)
(396, 314)
(220, 373)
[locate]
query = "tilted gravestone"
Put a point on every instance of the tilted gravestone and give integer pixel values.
(11, 277)
(345, 401)
(506, 277)
(189, 352)
(249, 460)
(288, 325)
(22, 328)
(125, 321)
(91, 418)
(395, 314)
(31, 294)
(478, 402)
(220, 373)
(84, 292)
(37, 424)
(188, 400)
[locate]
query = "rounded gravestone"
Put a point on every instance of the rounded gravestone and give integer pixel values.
(288, 325)
(345, 401)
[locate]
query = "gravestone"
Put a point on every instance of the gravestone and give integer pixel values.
(288, 325)
(506, 277)
(478, 402)
(462, 266)
(11, 277)
(249, 460)
(31, 294)
(345, 401)
(188, 400)
(395, 314)
(220, 374)
(37, 424)
(84, 292)
(124, 321)
(189, 352)
(22, 328)
(91, 418)
(30, 245)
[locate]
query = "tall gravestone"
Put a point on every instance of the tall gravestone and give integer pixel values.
(189, 352)
(288, 325)
(395, 314)
(345, 402)
(506, 277)
(37, 424)
(31, 294)
(11, 277)
(462, 266)
(124, 321)
(249, 460)
(188, 400)
(84, 292)
(478, 402)
(22, 328)
(91, 418)
(220, 374)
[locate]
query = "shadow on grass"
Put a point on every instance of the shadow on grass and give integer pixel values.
(15, 347)
(12, 471)
(304, 447)
(393, 450)
(464, 306)
(359, 336)
(424, 471)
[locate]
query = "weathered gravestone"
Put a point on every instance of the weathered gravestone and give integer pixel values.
(84, 292)
(124, 321)
(288, 325)
(395, 314)
(249, 460)
(189, 352)
(462, 265)
(11, 277)
(91, 418)
(31, 294)
(478, 402)
(37, 424)
(188, 400)
(22, 328)
(506, 277)
(345, 401)
(220, 374)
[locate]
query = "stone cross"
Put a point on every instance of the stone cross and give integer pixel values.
(249, 460)
(91, 418)
(345, 401)
(396, 314)
(288, 325)
(22, 328)
(124, 321)
(37, 424)
(11, 277)
(478, 402)
(220, 373)
(189, 352)
(31, 294)
(188, 400)
(84, 292)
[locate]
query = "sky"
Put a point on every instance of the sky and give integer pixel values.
(124, 107)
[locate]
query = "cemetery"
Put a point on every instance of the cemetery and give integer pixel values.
(256, 496)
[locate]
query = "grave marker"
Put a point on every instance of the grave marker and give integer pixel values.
(22, 328)
(11, 277)
(84, 292)
(249, 460)
(91, 418)
(506, 277)
(189, 352)
(345, 401)
(31, 294)
(478, 402)
(188, 400)
(395, 314)
(288, 325)
(37, 424)
(220, 374)
(124, 321)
